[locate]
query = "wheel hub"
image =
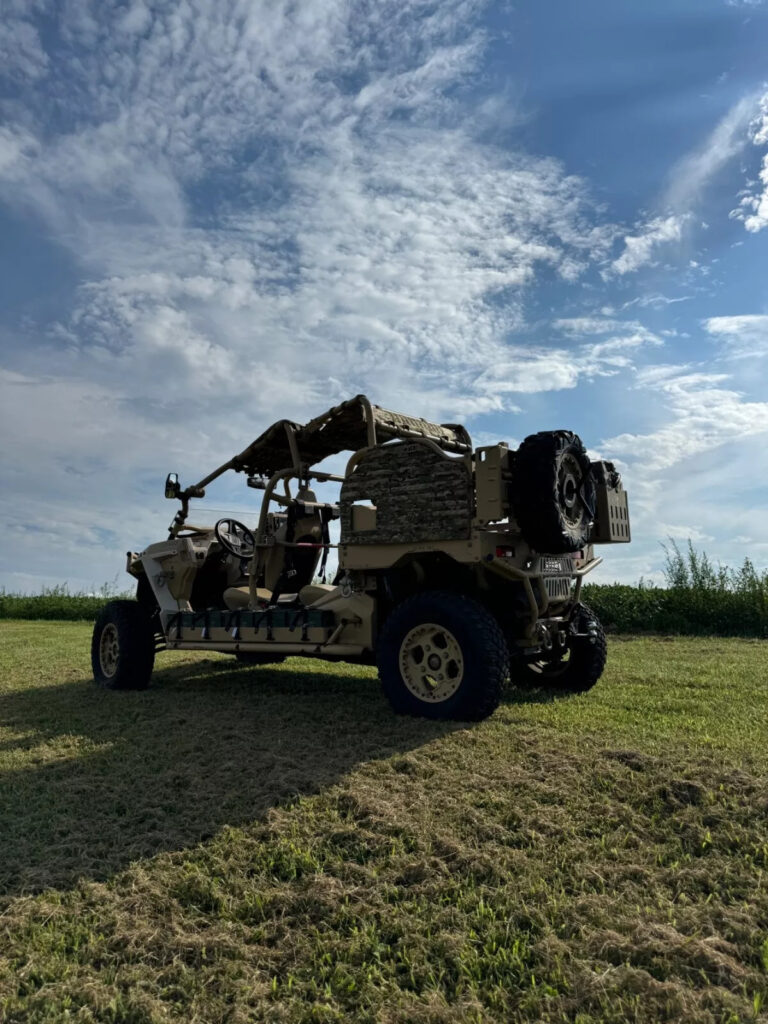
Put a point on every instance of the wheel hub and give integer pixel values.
(109, 649)
(568, 488)
(431, 662)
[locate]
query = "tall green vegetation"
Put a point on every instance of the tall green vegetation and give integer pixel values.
(699, 599)
(57, 603)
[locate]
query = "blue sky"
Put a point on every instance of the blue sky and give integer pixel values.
(215, 213)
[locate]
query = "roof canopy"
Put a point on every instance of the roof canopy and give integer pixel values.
(345, 427)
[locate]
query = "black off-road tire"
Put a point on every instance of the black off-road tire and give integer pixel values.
(257, 658)
(472, 631)
(123, 647)
(554, 492)
(579, 670)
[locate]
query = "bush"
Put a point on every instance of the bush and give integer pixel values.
(699, 599)
(57, 603)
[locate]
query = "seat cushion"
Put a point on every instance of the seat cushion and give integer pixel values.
(236, 598)
(314, 592)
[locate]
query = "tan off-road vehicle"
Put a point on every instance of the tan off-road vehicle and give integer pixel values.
(456, 568)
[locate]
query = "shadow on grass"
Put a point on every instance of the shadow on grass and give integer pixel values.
(106, 777)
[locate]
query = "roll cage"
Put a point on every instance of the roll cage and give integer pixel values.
(288, 450)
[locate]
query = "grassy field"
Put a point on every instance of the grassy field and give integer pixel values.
(274, 845)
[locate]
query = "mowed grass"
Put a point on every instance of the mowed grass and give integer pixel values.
(274, 845)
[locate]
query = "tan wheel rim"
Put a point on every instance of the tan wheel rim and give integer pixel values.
(431, 663)
(109, 649)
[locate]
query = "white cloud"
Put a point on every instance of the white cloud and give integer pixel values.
(687, 181)
(639, 249)
(679, 531)
(693, 475)
(16, 147)
(704, 416)
(576, 325)
(626, 333)
(714, 500)
(529, 369)
(402, 250)
(753, 207)
(744, 336)
(385, 229)
(655, 301)
(693, 173)
(21, 53)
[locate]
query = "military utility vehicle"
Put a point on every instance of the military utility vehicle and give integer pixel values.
(457, 568)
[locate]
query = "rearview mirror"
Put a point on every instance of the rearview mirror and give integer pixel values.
(172, 488)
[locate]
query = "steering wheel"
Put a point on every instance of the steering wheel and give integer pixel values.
(235, 538)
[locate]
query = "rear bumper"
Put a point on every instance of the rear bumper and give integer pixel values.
(543, 590)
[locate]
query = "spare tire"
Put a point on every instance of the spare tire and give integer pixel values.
(553, 492)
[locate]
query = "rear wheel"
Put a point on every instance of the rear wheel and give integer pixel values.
(123, 647)
(579, 665)
(442, 655)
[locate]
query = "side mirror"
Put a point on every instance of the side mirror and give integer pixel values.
(172, 486)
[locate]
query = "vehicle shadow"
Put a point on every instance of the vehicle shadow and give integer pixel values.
(104, 778)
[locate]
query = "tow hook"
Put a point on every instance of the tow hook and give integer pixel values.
(590, 634)
(544, 637)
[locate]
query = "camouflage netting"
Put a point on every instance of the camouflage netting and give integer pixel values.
(343, 428)
(419, 493)
(270, 451)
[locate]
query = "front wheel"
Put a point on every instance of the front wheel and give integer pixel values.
(577, 668)
(123, 647)
(442, 655)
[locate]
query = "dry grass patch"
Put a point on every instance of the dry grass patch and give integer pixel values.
(272, 844)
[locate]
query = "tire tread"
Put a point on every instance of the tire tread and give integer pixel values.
(535, 498)
(137, 647)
